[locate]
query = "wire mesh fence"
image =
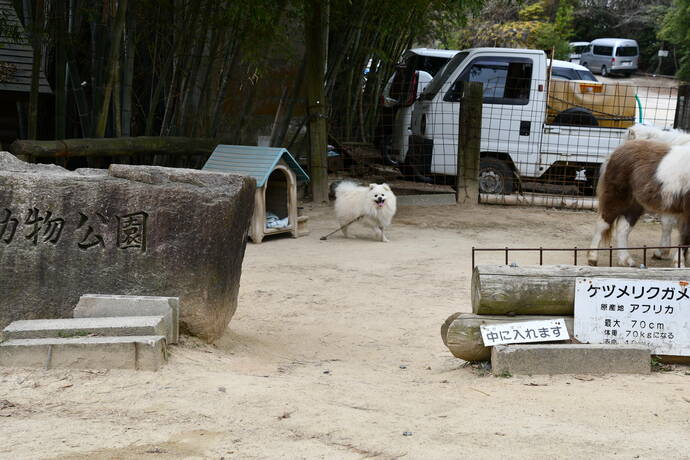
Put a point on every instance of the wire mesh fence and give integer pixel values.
(546, 128)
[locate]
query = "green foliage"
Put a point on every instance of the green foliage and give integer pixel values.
(555, 35)
(676, 29)
(539, 25)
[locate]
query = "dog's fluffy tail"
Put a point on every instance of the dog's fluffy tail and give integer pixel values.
(345, 187)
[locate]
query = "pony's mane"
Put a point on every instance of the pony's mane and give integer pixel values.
(653, 133)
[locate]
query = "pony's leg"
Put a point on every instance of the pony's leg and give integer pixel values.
(684, 252)
(667, 223)
(622, 231)
(624, 225)
(344, 228)
(601, 227)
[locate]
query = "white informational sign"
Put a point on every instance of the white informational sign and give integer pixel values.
(651, 312)
(663, 53)
(524, 332)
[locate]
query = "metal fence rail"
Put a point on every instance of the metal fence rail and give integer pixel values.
(575, 250)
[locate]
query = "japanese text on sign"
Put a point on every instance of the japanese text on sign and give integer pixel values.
(41, 227)
(655, 313)
(524, 332)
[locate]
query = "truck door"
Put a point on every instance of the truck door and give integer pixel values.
(513, 110)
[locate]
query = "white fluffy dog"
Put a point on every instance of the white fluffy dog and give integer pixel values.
(374, 206)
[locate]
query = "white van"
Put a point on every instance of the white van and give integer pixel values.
(576, 50)
(517, 140)
(611, 56)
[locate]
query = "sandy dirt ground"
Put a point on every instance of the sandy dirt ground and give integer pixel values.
(335, 353)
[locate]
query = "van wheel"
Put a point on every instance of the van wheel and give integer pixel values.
(495, 177)
(604, 72)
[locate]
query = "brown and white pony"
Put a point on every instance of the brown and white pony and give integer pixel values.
(671, 137)
(639, 176)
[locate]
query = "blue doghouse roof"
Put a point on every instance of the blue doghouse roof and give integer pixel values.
(257, 162)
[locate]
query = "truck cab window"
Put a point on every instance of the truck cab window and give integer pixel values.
(505, 80)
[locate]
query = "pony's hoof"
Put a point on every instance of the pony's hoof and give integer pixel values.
(592, 262)
(627, 262)
(658, 255)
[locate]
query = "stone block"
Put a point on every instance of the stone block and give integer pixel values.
(103, 306)
(135, 230)
(133, 352)
(570, 359)
(80, 327)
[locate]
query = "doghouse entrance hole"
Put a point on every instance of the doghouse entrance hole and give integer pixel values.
(277, 194)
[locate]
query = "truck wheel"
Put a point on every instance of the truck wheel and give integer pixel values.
(495, 177)
(604, 72)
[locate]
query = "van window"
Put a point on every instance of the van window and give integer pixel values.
(626, 51)
(603, 50)
(506, 80)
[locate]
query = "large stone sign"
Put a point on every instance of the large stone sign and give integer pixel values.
(139, 230)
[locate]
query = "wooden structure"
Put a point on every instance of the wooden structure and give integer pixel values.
(545, 289)
(16, 58)
(276, 173)
(503, 294)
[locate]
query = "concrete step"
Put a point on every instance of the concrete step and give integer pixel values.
(570, 359)
(132, 352)
(100, 306)
(80, 327)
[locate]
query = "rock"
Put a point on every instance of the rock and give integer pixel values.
(136, 230)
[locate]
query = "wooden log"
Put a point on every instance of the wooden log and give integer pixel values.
(462, 336)
(548, 289)
(116, 146)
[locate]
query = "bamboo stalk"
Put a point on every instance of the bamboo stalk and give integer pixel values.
(113, 60)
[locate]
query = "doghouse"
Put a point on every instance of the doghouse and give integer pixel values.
(276, 173)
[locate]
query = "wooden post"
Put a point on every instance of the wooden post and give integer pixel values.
(469, 143)
(316, 39)
(682, 117)
(547, 289)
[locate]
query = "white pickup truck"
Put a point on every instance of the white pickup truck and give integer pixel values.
(521, 135)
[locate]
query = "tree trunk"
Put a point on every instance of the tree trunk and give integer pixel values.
(112, 67)
(37, 42)
(128, 73)
(545, 290)
(59, 18)
(316, 32)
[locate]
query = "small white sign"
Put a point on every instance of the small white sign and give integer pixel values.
(547, 330)
(655, 313)
(663, 53)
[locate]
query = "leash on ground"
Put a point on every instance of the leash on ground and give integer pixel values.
(324, 238)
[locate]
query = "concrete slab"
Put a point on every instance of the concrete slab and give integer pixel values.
(133, 352)
(101, 305)
(79, 327)
(570, 359)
